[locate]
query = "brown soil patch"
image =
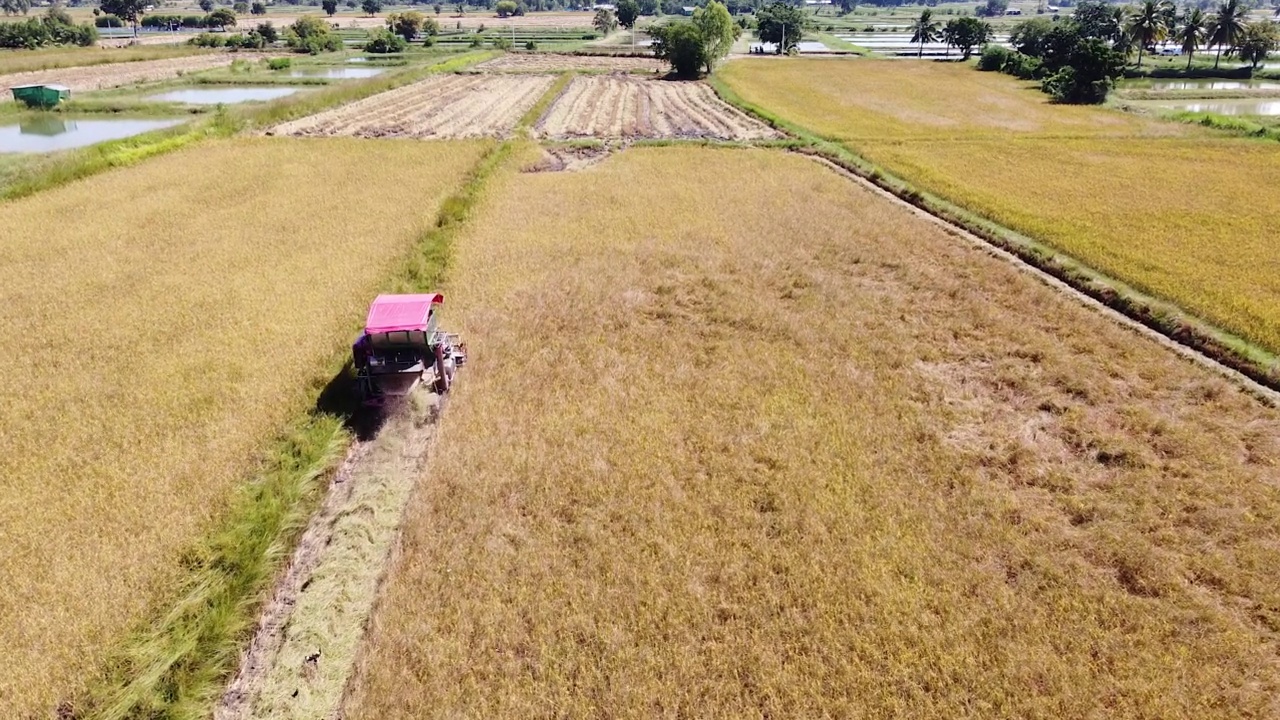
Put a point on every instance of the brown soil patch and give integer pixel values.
(623, 106)
(445, 106)
(551, 62)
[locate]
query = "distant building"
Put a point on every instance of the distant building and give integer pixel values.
(605, 6)
(687, 10)
(1013, 11)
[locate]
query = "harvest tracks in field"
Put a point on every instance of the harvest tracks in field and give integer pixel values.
(441, 106)
(620, 106)
(551, 62)
(98, 77)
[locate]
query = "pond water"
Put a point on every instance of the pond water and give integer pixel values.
(358, 60)
(46, 134)
(337, 73)
(223, 95)
(1225, 107)
(1214, 85)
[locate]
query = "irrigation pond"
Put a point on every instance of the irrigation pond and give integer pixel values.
(47, 134)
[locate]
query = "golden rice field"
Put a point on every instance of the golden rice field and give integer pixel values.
(154, 344)
(793, 451)
(892, 99)
(1173, 216)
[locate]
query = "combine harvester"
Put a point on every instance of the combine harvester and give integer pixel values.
(400, 344)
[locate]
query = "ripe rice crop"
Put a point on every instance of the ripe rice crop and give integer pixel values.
(855, 99)
(612, 106)
(793, 451)
(552, 62)
(155, 340)
(443, 105)
(1164, 214)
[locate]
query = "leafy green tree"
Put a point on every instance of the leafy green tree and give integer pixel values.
(382, 42)
(780, 24)
(505, 8)
(259, 8)
(1259, 40)
(924, 30)
(240, 7)
(371, 7)
(221, 18)
(718, 31)
(605, 21)
(992, 8)
(330, 7)
(966, 33)
(1192, 33)
(312, 35)
(130, 11)
(628, 13)
(15, 7)
(1148, 25)
(1097, 19)
(1028, 36)
(1088, 76)
(1226, 29)
(680, 43)
(268, 32)
(650, 7)
(430, 27)
(206, 5)
(406, 24)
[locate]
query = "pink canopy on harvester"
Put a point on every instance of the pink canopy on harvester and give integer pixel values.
(390, 313)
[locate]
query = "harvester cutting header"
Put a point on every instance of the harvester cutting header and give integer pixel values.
(401, 343)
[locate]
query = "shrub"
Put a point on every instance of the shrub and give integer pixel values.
(279, 63)
(993, 58)
(429, 42)
(268, 33)
(502, 43)
(383, 42)
(477, 41)
(108, 21)
(208, 40)
(1022, 66)
(531, 45)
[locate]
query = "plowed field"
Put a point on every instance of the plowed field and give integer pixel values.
(556, 63)
(621, 106)
(98, 77)
(449, 106)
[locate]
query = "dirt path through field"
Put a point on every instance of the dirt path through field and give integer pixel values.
(100, 77)
(306, 638)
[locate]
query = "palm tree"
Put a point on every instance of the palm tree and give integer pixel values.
(1192, 33)
(1227, 27)
(925, 30)
(1147, 26)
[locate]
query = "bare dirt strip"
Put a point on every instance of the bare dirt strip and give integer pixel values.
(620, 106)
(444, 106)
(99, 77)
(551, 62)
(306, 639)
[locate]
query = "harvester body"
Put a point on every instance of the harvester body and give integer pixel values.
(402, 345)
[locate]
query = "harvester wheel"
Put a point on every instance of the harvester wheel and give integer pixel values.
(442, 378)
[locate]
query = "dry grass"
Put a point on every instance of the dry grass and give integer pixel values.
(1164, 214)
(790, 451)
(109, 75)
(154, 344)
(855, 99)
